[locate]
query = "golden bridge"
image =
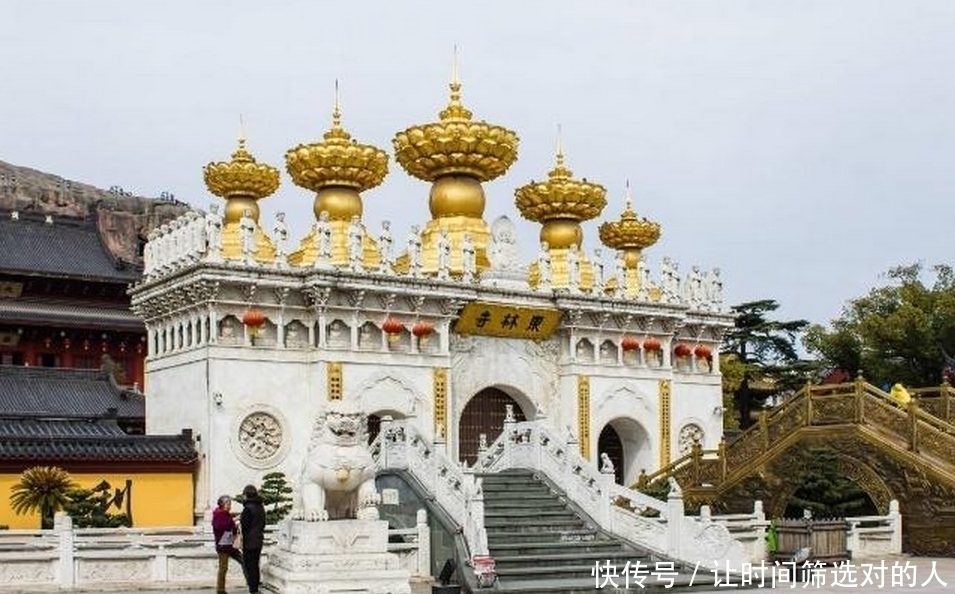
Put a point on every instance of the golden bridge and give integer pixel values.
(892, 451)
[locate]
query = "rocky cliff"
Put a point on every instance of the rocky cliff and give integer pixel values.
(123, 220)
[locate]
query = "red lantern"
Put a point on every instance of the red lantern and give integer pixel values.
(703, 352)
(682, 350)
(254, 319)
(392, 327)
(651, 345)
(422, 330)
(629, 343)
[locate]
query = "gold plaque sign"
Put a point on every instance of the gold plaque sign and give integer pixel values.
(505, 321)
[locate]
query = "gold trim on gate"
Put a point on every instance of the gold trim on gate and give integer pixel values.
(583, 415)
(440, 389)
(664, 392)
(334, 380)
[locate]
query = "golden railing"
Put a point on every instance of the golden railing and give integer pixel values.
(924, 426)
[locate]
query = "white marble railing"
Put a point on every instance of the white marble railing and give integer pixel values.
(400, 446)
(881, 536)
(196, 236)
(127, 558)
(182, 241)
(660, 527)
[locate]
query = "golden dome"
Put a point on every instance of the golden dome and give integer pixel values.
(630, 232)
(561, 196)
(338, 160)
(456, 145)
(242, 177)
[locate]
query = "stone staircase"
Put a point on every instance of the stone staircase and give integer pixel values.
(541, 543)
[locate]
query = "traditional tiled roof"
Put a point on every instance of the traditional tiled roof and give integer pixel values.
(65, 393)
(70, 315)
(53, 415)
(66, 247)
(73, 440)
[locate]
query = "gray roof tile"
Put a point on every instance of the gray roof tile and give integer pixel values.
(65, 393)
(67, 247)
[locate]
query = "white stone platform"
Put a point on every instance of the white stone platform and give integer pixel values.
(336, 557)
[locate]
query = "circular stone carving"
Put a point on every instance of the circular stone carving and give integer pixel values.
(260, 439)
(690, 434)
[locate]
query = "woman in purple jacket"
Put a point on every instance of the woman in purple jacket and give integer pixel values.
(225, 531)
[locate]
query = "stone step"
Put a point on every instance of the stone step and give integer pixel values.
(617, 558)
(591, 585)
(507, 548)
(515, 490)
(556, 513)
(539, 524)
(578, 536)
(521, 506)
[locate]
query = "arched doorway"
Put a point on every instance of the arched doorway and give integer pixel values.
(484, 413)
(610, 443)
(374, 422)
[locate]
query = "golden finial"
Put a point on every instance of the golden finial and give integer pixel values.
(630, 232)
(456, 145)
(560, 202)
(337, 110)
(242, 176)
(455, 109)
(337, 160)
(560, 148)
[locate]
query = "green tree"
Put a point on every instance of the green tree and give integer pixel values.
(765, 350)
(825, 490)
(898, 332)
(90, 508)
(41, 489)
(276, 495)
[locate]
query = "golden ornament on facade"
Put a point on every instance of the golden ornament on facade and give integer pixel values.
(630, 232)
(456, 145)
(561, 196)
(242, 177)
(337, 160)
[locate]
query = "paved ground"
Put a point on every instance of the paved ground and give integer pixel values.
(900, 574)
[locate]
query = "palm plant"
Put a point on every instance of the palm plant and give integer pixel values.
(42, 489)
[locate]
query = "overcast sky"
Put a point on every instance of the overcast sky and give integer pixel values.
(801, 146)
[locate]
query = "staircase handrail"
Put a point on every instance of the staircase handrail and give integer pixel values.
(400, 445)
(616, 509)
(777, 426)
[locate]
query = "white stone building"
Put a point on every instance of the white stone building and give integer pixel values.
(248, 339)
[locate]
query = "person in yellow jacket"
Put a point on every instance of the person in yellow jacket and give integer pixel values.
(900, 395)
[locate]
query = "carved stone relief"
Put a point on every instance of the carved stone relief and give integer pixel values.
(260, 439)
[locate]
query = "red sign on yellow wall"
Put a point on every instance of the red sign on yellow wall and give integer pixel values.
(505, 321)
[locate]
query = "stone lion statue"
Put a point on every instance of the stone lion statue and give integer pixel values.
(338, 477)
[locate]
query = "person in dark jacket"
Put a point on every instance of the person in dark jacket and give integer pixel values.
(253, 535)
(224, 530)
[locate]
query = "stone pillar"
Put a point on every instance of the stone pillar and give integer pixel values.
(674, 521)
(63, 529)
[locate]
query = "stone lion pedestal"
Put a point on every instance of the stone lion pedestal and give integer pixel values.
(335, 557)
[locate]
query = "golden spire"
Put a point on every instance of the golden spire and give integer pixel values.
(242, 181)
(456, 145)
(337, 161)
(242, 176)
(337, 169)
(560, 203)
(456, 154)
(631, 233)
